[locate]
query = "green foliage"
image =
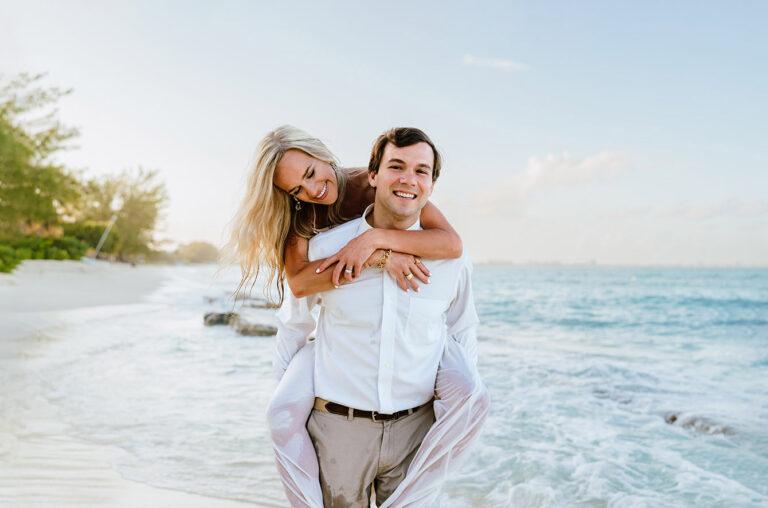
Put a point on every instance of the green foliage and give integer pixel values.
(90, 233)
(13, 250)
(8, 258)
(35, 192)
(32, 187)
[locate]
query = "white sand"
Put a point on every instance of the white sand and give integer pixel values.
(39, 465)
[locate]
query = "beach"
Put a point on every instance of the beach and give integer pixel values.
(39, 463)
(609, 387)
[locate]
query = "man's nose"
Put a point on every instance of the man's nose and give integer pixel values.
(408, 177)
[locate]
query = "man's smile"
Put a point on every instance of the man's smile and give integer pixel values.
(404, 195)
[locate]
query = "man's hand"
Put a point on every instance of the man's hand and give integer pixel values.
(400, 265)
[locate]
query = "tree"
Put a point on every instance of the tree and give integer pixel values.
(33, 188)
(136, 198)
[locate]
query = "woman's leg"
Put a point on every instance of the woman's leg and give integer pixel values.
(461, 407)
(287, 415)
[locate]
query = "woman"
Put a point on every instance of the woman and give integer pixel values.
(295, 189)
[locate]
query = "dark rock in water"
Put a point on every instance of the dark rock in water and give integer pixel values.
(253, 329)
(216, 318)
(697, 423)
(226, 299)
(260, 304)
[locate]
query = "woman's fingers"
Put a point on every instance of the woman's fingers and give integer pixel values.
(349, 272)
(337, 273)
(328, 262)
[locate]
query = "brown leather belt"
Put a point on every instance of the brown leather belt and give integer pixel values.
(327, 406)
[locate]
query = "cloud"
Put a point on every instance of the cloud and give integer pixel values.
(554, 170)
(550, 171)
(494, 63)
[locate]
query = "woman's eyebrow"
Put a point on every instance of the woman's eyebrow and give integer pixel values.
(306, 171)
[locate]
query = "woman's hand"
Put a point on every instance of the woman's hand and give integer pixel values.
(352, 258)
(400, 265)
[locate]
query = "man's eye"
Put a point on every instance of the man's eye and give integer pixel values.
(311, 174)
(394, 167)
(423, 172)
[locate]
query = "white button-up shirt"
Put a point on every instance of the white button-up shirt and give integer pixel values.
(377, 346)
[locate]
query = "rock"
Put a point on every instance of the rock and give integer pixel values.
(240, 301)
(216, 318)
(260, 304)
(253, 329)
(697, 423)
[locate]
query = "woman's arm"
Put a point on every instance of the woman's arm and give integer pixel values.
(301, 274)
(438, 240)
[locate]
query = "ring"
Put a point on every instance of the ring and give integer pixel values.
(417, 260)
(348, 270)
(409, 276)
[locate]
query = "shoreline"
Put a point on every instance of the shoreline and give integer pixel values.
(39, 463)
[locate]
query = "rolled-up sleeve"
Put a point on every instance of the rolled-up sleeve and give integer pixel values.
(295, 323)
(461, 318)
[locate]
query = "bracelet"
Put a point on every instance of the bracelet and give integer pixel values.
(383, 261)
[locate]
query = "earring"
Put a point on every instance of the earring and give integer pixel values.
(298, 203)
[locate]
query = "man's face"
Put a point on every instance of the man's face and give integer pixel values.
(404, 180)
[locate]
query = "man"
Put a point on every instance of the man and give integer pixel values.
(378, 349)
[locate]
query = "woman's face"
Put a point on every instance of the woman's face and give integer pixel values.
(307, 178)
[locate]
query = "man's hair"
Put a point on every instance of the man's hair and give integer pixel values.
(402, 137)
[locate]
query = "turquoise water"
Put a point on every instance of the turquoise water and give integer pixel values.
(585, 367)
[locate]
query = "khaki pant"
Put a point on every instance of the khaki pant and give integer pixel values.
(355, 454)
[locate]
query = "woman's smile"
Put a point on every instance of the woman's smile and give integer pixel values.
(322, 192)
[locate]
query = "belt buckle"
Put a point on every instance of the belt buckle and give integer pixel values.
(387, 417)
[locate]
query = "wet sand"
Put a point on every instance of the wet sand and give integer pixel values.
(39, 464)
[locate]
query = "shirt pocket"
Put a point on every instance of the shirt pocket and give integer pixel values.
(425, 320)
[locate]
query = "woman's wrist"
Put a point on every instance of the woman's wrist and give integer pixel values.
(377, 237)
(384, 258)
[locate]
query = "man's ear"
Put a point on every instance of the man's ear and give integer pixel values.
(372, 178)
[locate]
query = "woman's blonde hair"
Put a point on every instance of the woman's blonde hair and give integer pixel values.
(268, 214)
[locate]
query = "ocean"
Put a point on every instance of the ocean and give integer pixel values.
(610, 387)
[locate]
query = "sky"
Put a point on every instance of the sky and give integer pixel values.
(616, 133)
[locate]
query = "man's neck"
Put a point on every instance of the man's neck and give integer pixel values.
(379, 218)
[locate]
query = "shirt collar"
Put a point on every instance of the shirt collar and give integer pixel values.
(364, 226)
